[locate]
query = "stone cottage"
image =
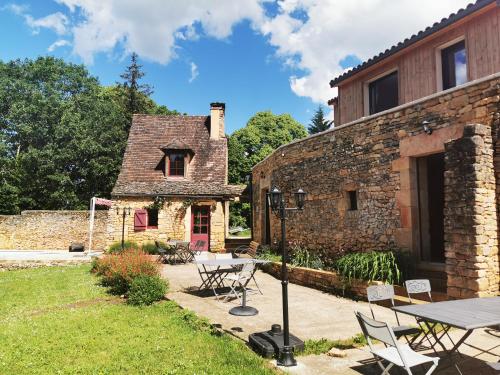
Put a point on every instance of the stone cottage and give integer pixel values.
(174, 180)
(413, 161)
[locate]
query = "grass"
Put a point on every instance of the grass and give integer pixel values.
(57, 320)
(244, 233)
(324, 345)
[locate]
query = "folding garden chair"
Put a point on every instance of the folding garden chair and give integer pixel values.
(165, 255)
(241, 280)
(210, 277)
(394, 352)
(182, 251)
(240, 250)
(423, 286)
(385, 292)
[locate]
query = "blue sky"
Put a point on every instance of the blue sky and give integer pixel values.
(250, 54)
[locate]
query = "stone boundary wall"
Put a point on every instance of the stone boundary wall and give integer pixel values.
(51, 230)
(374, 158)
(365, 157)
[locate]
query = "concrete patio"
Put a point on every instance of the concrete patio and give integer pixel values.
(313, 315)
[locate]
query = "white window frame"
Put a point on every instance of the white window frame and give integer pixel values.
(366, 88)
(439, 60)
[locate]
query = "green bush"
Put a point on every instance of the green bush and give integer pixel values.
(369, 266)
(116, 247)
(144, 290)
(150, 248)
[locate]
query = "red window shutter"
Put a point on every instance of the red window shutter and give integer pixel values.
(140, 219)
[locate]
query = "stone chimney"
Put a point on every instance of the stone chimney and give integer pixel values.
(217, 120)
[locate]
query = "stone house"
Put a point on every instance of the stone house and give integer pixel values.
(413, 162)
(174, 180)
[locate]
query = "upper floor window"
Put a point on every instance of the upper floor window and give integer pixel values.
(176, 164)
(383, 93)
(454, 65)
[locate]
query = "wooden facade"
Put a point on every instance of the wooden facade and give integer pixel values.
(418, 65)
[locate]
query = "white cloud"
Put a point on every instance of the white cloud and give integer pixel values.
(15, 8)
(150, 27)
(311, 37)
(57, 44)
(335, 29)
(55, 21)
(194, 72)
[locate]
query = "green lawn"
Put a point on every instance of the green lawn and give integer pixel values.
(57, 320)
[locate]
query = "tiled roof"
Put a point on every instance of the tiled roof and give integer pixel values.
(142, 171)
(181, 188)
(176, 145)
(454, 17)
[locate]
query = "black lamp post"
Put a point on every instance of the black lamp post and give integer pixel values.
(277, 203)
(125, 212)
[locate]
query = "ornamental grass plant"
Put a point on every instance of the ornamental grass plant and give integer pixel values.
(369, 266)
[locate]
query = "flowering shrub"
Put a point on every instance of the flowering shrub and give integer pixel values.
(117, 271)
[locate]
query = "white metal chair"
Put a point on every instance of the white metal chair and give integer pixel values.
(241, 279)
(395, 353)
(423, 286)
(376, 293)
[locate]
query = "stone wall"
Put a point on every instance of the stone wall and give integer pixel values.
(174, 221)
(51, 230)
(373, 157)
(471, 224)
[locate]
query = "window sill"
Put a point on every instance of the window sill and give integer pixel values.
(156, 227)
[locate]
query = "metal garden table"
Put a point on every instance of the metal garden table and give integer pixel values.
(464, 314)
(219, 272)
(216, 277)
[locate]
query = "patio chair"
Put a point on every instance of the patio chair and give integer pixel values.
(394, 352)
(183, 252)
(198, 247)
(376, 293)
(423, 286)
(210, 277)
(241, 280)
(240, 250)
(165, 255)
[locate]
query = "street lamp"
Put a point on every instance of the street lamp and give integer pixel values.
(277, 203)
(125, 212)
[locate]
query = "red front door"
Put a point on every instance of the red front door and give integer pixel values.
(200, 227)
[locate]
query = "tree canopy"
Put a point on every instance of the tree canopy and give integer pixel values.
(62, 135)
(263, 133)
(319, 123)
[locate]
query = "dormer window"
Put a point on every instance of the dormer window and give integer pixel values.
(177, 157)
(176, 164)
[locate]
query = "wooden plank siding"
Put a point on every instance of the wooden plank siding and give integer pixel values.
(417, 65)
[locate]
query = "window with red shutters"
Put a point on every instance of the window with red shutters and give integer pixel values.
(140, 219)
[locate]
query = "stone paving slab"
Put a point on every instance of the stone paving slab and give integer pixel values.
(313, 315)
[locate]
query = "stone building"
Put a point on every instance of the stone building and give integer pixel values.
(413, 161)
(174, 180)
